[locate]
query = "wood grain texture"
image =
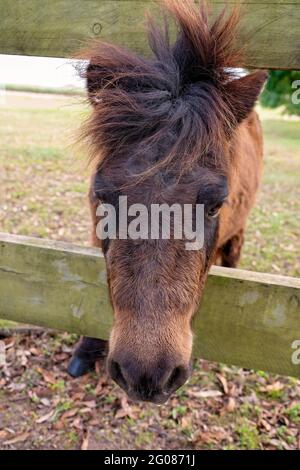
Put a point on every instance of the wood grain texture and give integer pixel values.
(269, 30)
(245, 318)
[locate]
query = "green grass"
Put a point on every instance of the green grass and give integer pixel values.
(43, 177)
(272, 238)
(48, 90)
(248, 435)
(7, 324)
(293, 413)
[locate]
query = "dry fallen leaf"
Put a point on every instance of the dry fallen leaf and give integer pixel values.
(89, 404)
(211, 437)
(98, 368)
(35, 351)
(69, 413)
(275, 442)
(9, 342)
(2, 354)
(58, 425)
(78, 396)
(231, 405)
(205, 393)
(94, 422)
(43, 392)
(60, 357)
(48, 377)
(85, 442)
(86, 410)
(77, 424)
(3, 434)
(223, 382)
(22, 355)
(265, 425)
(45, 401)
(275, 387)
(46, 417)
(186, 422)
(20, 438)
(125, 409)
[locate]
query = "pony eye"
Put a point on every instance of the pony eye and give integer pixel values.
(214, 211)
(104, 197)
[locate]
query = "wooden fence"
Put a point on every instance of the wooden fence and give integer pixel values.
(269, 29)
(249, 319)
(246, 318)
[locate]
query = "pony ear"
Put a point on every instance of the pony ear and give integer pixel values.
(241, 94)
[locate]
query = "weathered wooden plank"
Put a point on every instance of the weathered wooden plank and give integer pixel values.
(269, 30)
(53, 284)
(250, 319)
(246, 318)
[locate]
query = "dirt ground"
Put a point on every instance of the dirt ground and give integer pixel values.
(221, 407)
(43, 183)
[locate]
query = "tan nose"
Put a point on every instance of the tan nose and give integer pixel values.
(153, 383)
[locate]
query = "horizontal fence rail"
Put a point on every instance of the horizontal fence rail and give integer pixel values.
(269, 29)
(248, 319)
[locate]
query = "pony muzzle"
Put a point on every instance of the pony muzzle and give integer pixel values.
(153, 382)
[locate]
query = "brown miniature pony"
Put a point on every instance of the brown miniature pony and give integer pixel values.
(175, 128)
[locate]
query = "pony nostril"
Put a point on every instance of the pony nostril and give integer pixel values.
(116, 374)
(155, 384)
(177, 378)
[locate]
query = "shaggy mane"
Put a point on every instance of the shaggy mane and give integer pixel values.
(177, 95)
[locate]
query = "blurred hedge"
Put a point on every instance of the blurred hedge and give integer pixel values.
(280, 89)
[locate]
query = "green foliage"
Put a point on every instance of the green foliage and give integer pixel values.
(282, 89)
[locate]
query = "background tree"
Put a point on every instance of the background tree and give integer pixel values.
(280, 89)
